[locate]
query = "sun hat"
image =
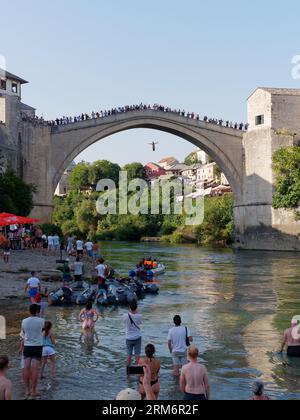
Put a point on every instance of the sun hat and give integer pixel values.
(129, 395)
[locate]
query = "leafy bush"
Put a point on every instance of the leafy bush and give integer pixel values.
(218, 222)
(15, 195)
(286, 165)
(50, 229)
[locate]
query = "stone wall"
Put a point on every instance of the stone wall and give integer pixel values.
(258, 225)
(37, 167)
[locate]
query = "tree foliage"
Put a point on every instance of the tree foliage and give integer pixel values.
(191, 159)
(76, 213)
(286, 165)
(15, 195)
(79, 177)
(135, 171)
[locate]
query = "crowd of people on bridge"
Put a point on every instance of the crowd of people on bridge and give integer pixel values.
(66, 120)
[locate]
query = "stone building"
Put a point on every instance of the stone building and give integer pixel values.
(168, 162)
(11, 114)
(154, 171)
(207, 173)
(63, 187)
(274, 122)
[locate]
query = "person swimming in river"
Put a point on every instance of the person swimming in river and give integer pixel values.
(88, 317)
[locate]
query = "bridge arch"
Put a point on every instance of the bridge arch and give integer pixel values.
(222, 144)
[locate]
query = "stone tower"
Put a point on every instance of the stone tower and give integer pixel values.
(274, 122)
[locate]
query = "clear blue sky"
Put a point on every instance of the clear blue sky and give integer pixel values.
(204, 56)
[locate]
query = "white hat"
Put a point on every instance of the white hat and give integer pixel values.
(129, 395)
(296, 319)
(296, 332)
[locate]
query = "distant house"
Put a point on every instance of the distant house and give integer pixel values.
(177, 169)
(154, 171)
(207, 173)
(202, 157)
(168, 162)
(191, 172)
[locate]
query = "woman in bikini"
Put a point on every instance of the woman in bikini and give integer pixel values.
(88, 317)
(155, 366)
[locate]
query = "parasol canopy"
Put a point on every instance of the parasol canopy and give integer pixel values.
(7, 219)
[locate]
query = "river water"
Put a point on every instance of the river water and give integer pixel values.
(237, 305)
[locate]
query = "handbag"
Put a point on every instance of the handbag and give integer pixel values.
(187, 338)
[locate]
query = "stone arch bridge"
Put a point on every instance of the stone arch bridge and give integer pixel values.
(44, 153)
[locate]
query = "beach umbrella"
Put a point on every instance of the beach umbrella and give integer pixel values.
(7, 219)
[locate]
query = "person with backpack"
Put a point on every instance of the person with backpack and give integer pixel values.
(133, 322)
(179, 340)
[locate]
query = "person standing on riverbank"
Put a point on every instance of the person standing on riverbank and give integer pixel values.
(33, 287)
(292, 339)
(6, 251)
(96, 254)
(133, 322)
(101, 270)
(89, 249)
(194, 383)
(32, 331)
(179, 339)
(70, 245)
(78, 269)
(50, 245)
(6, 387)
(79, 248)
(56, 244)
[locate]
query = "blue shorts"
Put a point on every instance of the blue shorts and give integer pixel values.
(134, 347)
(33, 293)
(90, 254)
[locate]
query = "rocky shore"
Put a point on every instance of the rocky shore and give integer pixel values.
(13, 276)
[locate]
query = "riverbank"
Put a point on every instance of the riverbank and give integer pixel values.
(13, 276)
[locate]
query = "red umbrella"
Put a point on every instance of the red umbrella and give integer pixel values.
(7, 219)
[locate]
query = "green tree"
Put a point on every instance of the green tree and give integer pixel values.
(135, 170)
(218, 223)
(86, 217)
(15, 195)
(191, 159)
(286, 165)
(79, 177)
(103, 169)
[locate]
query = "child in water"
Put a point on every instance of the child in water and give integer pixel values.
(49, 352)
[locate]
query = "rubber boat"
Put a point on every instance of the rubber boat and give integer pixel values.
(161, 268)
(118, 293)
(73, 295)
(151, 288)
(157, 271)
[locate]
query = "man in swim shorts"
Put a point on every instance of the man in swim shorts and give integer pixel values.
(32, 331)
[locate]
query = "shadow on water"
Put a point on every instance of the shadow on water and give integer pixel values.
(237, 304)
